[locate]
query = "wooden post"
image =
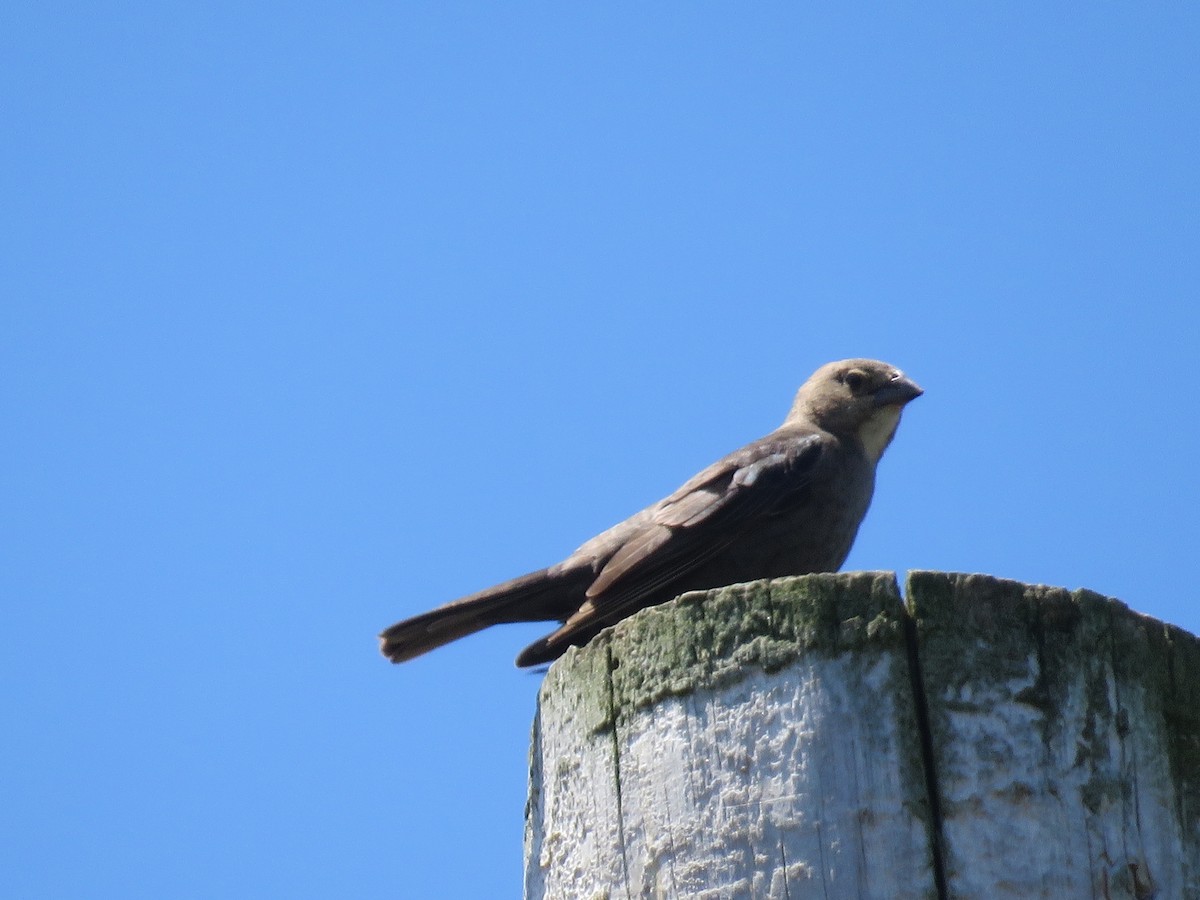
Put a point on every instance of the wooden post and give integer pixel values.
(814, 737)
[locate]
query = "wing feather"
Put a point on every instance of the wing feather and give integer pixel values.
(698, 521)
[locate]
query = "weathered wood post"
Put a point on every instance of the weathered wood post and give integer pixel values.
(818, 737)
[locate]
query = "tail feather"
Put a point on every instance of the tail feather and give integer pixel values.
(536, 597)
(552, 646)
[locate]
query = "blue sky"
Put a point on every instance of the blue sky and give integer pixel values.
(316, 316)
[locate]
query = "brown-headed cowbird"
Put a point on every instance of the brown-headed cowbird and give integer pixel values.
(787, 504)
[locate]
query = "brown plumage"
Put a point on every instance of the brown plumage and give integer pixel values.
(787, 504)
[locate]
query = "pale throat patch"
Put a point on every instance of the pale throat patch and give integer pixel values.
(876, 433)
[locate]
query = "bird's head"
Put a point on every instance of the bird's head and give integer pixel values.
(859, 398)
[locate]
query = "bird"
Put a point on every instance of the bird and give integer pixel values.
(789, 503)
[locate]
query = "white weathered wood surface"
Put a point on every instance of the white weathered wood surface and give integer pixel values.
(769, 741)
(734, 744)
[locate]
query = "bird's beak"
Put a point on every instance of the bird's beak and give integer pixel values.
(897, 392)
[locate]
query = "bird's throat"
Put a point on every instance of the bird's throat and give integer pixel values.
(877, 432)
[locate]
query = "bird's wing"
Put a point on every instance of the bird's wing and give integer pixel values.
(696, 522)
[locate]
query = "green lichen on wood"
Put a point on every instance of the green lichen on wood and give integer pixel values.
(707, 639)
(1180, 655)
(977, 631)
(580, 685)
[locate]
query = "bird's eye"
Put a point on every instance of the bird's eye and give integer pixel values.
(854, 379)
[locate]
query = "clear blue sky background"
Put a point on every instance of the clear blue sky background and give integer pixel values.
(318, 315)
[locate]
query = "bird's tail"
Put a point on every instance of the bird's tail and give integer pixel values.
(536, 597)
